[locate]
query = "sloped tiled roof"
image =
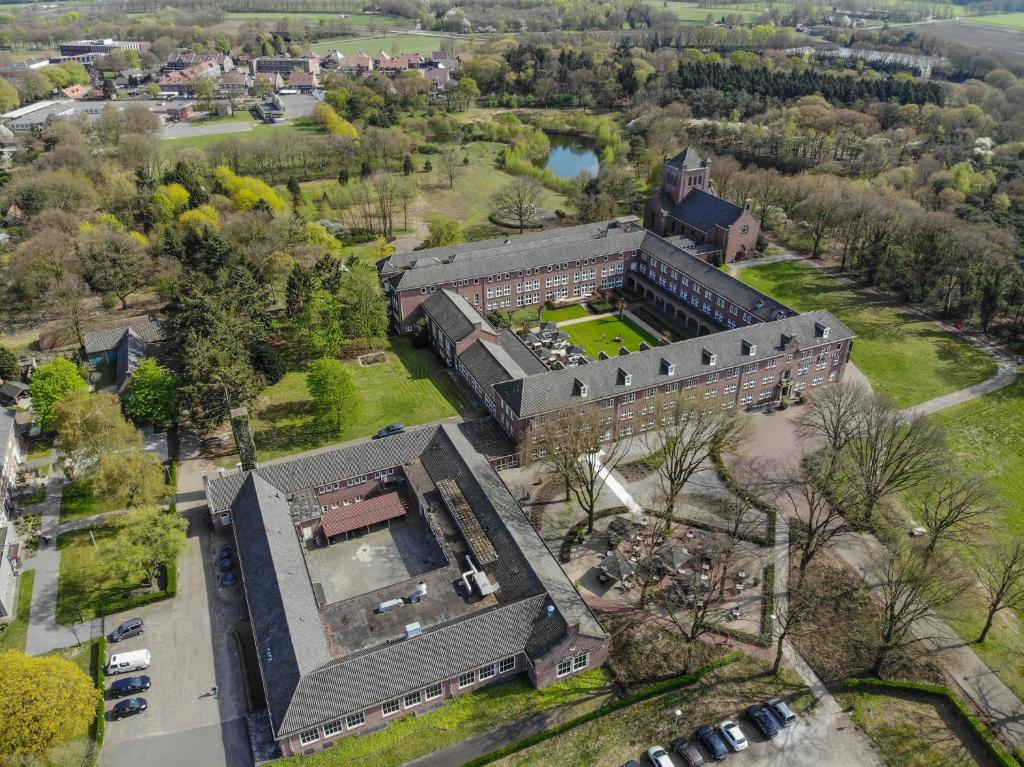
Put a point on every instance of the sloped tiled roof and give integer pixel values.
(454, 315)
(356, 516)
(130, 352)
(705, 211)
(107, 340)
(555, 389)
(687, 159)
(491, 364)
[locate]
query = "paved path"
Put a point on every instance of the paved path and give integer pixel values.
(612, 483)
(1006, 374)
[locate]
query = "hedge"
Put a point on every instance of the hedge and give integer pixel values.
(996, 749)
(654, 690)
(99, 729)
(730, 482)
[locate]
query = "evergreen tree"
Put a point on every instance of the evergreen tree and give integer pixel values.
(301, 284)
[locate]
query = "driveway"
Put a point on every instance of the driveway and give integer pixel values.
(192, 650)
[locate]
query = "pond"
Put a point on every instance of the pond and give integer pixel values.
(570, 156)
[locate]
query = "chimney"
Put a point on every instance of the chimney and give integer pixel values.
(242, 429)
(413, 630)
(748, 204)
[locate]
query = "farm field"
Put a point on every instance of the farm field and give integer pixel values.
(363, 19)
(1007, 20)
(903, 355)
(393, 45)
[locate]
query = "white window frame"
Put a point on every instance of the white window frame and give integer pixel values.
(395, 706)
(487, 672)
(352, 721)
(576, 665)
(415, 697)
(333, 728)
(506, 664)
(434, 691)
(564, 667)
(471, 676)
(309, 736)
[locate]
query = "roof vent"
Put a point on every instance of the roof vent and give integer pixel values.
(749, 349)
(419, 593)
(668, 368)
(820, 330)
(389, 605)
(709, 358)
(551, 611)
(413, 630)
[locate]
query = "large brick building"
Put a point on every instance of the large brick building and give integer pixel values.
(459, 592)
(685, 205)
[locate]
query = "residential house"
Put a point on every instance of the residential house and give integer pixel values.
(273, 78)
(303, 82)
(284, 65)
(357, 63)
(236, 83)
(124, 347)
(440, 76)
(186, 59)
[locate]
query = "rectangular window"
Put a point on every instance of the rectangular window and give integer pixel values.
(332, 728)
(413, 699)
(627, 398)
(625, 415)
(355, 720)
(564, 666)
(391, 707)
(506, 665)
(580, 661)
(434, 691)
(309, 736)
(487, 672)
(467, 680)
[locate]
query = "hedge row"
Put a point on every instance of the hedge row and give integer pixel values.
(99, 728)
(998, 752)
(656, 689)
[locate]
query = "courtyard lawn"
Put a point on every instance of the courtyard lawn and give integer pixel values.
(904, 356)
(913, 732)
(626, 734)
(14, 632)
(79, 501)
(563, 313)
(87, 587)
(409, 386)
(459, 719)
(598, 335)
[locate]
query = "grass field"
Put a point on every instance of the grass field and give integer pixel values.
(1005, 20)
(904, 356)
(461, 718)
(626, 734)
(563, 313)
(15, 631)
(171, 146)
(87, 587)
(409, 387)
(79, 500)
(691, 12)
(359, 19)
(393, 45)
(913, 733)
(600, 334)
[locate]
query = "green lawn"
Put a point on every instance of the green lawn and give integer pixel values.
(563, 313)
(598, 335)
(87, 588)
(14, 632)
(393, 45)
(79, 501)
(1005, 20)
(171, 146)
(361, 19)
(691, 12)
(410, 386)
(459, 719)
(904, 356)
(627, 734)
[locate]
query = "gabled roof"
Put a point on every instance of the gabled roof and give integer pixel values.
(13, 389)
(109, 339)
(130, 352)
(705, 211)
(687, 159)
(455, 316)
(356, 516)
(8, 425)
(555, 389)
(491, 364)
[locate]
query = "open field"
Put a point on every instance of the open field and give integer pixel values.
(904, 356)
(15, 631)
(393, 45)
(170, 147)
(1006, 42)
(459, 719)
(599, 335)
(360, 19)
(692, 12)
(913, 732)
(409, 386)
(1006, 20)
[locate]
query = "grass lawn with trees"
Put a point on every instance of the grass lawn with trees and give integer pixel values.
(79, 501)
(87, 586)
(459, 719)
(409, 386)
(14, 632)
(903, 355)
(598, 335)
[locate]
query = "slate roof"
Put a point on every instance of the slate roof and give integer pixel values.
(454, 315)
(130, 352)
(490, 364)
(13, 389)
(705, 211)
(7, 427)
(555, 389)
(687, 159)
(107, 340)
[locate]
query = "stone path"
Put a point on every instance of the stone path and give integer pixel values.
(616, 487)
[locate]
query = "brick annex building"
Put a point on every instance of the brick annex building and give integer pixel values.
(387, 577)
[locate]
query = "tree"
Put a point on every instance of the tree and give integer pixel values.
(451, 166)
(1002, 581)
(519, 201)
(365, 310)
(322, 319)
(44, 701)
(443, 231)
(9, 98)
(952, 506)
(834, 414)
(90, 426)
(134, 477)
(152, 395)
(791, 620)
(820, 213)
(145, 541)
(467, 92)
(217, 376)
(10, 369)
(300, 286)
(67, 296)
(115, 261)
(50, 384)
(295, 191)
(334, 394)
(407, 165)
(205, 92)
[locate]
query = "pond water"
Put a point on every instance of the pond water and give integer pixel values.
(570, 156)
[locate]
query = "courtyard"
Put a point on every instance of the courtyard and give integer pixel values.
(607, 334)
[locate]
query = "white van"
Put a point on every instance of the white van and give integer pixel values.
(124, 662)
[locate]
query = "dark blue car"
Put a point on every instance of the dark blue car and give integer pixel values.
(713, 742)
(128, 707)
(763, 721)
(131, 685)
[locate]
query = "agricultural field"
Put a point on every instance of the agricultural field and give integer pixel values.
(1005, 20)
(361, 19)
(903, 355)
(693, 12)
(393, 45)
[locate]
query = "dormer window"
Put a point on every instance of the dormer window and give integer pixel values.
(709, 358)
(821, 330)
(668, 368)
(579, 388)
(749, 349)
(625, 378)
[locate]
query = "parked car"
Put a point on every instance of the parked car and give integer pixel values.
(127, 662)
(390, 429)
(783, 713)
(713, 742)
(131, 685)
(129, 707)
(132, 627)
(225, 564)
(733, 735)
(659, 757)
(763, 721)
(632, 763)
(688, 752)
(228, 579)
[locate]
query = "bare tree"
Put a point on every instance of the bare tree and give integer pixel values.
(909, 588)
(405, 193)
(691, 600)
(684, 437)
(451, 167)
(834, 414)
(894, 451)
(1002, 580)
(952, 507)
(791, 622)
(67, 295)
(519, 201)
(386, 196)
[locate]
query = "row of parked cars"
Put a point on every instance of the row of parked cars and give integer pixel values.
(769, 719)
(126, 663)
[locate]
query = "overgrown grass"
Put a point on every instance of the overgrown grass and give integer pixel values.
(459, 719)
(904, 356)
(14, 632)
(600, 334)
